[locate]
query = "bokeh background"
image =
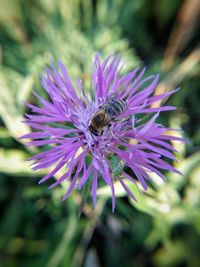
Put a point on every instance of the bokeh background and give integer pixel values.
(36, 228)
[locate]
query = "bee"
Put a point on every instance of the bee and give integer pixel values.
(106, 114)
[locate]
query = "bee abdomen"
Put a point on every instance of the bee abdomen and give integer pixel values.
(114, 107)
(119, 105)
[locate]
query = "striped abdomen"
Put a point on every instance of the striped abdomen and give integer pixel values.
(114, 107)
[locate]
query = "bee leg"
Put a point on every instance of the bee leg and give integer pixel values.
(109, 127)
(110, 130)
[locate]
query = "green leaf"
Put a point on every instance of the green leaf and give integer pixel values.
(85, 193)
(15, 162)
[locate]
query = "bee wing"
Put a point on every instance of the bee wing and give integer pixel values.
(113, 96)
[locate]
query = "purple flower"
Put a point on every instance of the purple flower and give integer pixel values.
(62, 124)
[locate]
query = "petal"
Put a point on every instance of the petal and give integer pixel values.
(127, 189)
(94, 187)
(85, 176)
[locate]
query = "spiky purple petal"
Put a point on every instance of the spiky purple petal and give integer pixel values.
(62, 124)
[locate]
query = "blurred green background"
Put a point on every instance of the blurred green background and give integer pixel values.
(36, 228)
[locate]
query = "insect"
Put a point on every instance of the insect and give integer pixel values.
(106, 113)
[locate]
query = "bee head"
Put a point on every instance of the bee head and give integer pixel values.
(98, 122)
(99, 118)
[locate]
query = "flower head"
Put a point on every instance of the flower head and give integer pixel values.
(64, 124)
